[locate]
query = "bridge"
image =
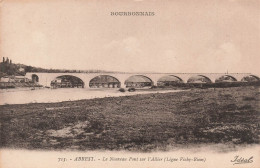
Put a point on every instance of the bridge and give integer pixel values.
(46, 79)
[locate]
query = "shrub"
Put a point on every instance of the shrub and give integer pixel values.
(121, 90)
(131, 89)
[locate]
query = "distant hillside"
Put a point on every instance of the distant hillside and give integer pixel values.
(8, 68)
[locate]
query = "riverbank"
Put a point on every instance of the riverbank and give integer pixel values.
(158, 121)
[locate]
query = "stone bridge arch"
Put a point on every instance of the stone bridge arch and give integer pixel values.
(199, 77)
(244, 79)
(226, 78)
(67, 81)
(104, 81)
(169, 80)
(139, 80)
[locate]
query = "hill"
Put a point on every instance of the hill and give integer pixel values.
(7, 68)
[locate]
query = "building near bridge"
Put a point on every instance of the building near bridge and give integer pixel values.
(16, 79)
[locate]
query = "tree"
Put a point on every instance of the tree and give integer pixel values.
(7, 60)
(3, 59)
(28, 69)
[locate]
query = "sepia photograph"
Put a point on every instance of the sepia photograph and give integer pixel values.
(134, 83)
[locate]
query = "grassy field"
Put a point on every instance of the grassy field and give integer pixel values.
(144, 123)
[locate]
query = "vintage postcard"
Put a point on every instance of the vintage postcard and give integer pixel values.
(133, 83)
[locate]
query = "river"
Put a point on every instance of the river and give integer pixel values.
(44, 95)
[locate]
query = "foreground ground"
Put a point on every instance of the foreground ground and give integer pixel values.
(149, 122)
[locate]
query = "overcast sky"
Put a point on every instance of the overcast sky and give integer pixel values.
(183, 36)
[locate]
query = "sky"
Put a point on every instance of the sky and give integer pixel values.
(185, 36)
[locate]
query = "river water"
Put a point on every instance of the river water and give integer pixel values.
(44, 95)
